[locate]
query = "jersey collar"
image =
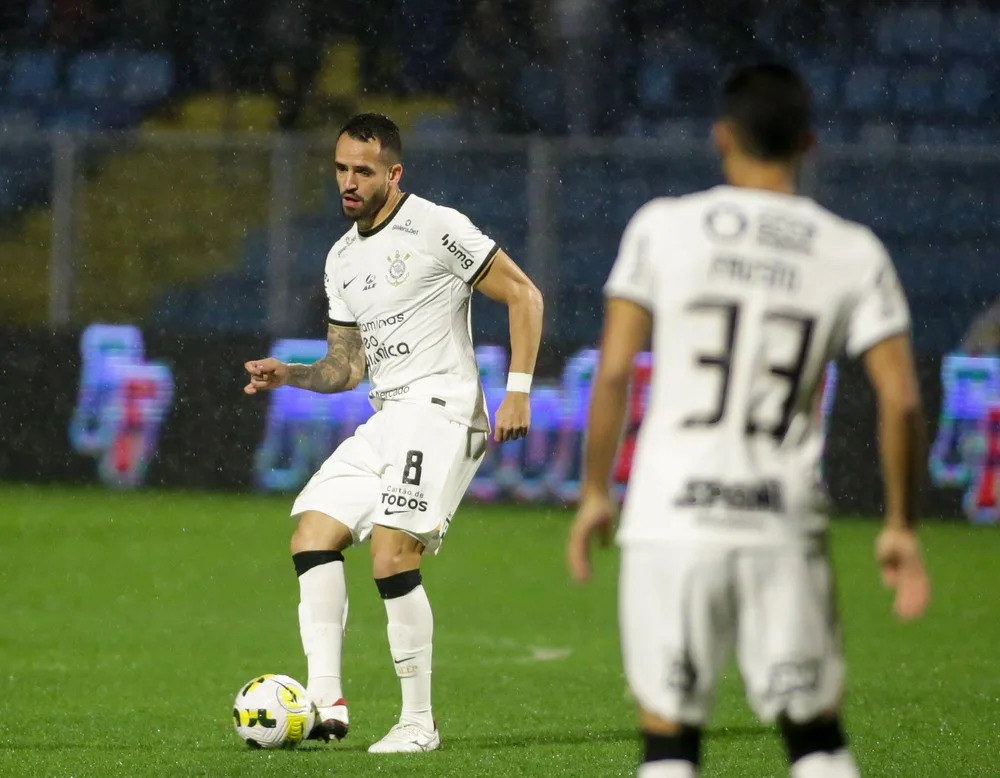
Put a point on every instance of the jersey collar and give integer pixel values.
(387, 220)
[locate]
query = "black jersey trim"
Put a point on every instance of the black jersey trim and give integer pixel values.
(385, 222)
(336, 323)
(481, 272)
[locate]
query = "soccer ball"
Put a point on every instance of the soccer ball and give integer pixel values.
(273, 711)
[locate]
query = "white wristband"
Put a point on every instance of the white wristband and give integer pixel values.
(519, 382)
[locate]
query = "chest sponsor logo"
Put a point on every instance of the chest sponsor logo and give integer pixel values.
(399, 270)
(369, 282)
(406, 227)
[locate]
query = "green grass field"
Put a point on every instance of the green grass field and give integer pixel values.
(130, 620)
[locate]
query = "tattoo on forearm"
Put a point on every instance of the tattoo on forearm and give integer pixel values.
(342, 368)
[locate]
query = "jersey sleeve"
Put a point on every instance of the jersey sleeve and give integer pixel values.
(632, 277)
(460, 246)
(880, 309)
(339, 314)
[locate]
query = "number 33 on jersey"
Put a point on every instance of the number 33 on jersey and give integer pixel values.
(751, 293)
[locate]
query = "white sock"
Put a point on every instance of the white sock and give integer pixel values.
(668, 768)
(410, 631)
(839, 764)
(322, 620)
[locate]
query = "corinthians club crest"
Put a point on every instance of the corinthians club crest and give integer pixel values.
(398, 270)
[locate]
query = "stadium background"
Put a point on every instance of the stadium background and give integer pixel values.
(170, 168)
(167, 165)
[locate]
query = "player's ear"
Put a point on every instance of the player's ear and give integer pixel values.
(395, 173)
(722, 135)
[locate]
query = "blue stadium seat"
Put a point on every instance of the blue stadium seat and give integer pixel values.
(93, 76)
(867, 90)
(919, 91)
(966, 88)
(920, 30)
(683, 130)
(436, 125)
(968, 209)
(147, 77)
(931, 134)
(879, 134)
(72, 118)
(541, 93)
(977, 135)
(972, 31)
(656, 87)
(824, 80)
(17, 120)
(34, 75)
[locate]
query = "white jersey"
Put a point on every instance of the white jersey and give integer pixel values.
(407, 284)
(751, 293)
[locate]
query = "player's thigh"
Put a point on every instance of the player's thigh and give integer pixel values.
(677, 623)
(345, 488)
(789, 643)
(429, 463)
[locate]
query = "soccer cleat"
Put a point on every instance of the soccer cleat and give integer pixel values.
(407, 739)
(331, 721)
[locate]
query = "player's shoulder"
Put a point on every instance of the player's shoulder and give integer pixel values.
(654, 213)
(434, 213)
(847, 239)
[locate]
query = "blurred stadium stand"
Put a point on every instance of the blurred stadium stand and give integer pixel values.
(181, 237)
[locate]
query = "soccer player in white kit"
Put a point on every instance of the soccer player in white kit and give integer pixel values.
(399, 284)
(746, 290)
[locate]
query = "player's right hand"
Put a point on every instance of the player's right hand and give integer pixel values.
(898, 553)
(265, 374)
(595, 517)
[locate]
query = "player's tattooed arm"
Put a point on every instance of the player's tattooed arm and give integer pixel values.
(340, 370)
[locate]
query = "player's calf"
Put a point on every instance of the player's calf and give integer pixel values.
(675, 755)
(817, 748)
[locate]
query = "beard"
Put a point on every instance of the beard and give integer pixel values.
(367, 208)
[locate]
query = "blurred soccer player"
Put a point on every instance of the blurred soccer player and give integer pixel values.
(399, 284)
(747, 290)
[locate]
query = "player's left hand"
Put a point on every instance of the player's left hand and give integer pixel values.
(594, 518)
(513, 417)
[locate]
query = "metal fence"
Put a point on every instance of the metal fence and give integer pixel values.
(197, 232)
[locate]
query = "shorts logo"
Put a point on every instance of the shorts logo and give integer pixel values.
(400, 499)
(398, 270)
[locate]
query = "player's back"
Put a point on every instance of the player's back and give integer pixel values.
(752, 293)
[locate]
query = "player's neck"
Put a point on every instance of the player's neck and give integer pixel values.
(383, 213)
(750, 174)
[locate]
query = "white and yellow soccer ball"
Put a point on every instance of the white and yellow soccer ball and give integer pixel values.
(273, 711)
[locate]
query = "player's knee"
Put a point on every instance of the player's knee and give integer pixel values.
(822, 735)
(318, 532)
(677, 747)
(393, 552)
(398, 585)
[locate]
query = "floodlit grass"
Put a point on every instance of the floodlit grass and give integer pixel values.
(130, 620)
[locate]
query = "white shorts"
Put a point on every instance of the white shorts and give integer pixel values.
(682, 609)
(406, 468)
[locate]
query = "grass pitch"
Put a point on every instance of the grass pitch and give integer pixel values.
(129, 621)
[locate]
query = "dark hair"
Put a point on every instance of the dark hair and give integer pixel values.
(770, 108)
(375, 126)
